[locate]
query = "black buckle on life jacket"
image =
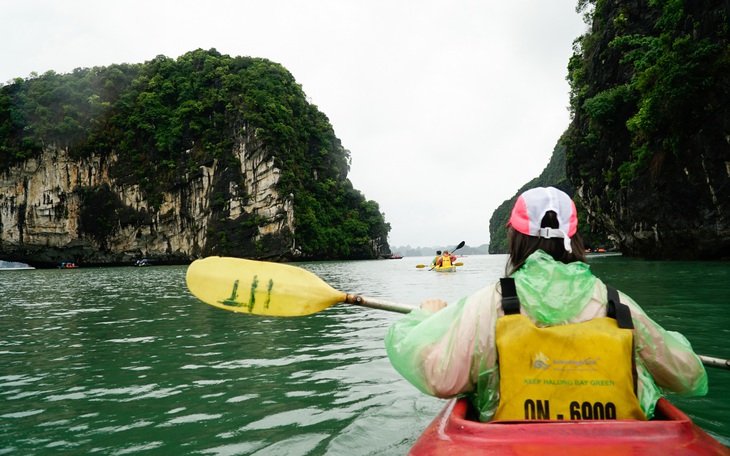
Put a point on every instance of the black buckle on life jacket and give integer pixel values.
(510, 301)
(616, 309)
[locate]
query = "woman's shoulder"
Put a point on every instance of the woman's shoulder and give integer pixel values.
(600, 294)
(487, 296)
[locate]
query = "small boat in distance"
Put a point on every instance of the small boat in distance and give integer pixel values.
(143, 262)
(68, 265)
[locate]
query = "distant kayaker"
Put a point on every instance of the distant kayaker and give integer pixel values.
(446, 260)
(435, 259)
(545, 343)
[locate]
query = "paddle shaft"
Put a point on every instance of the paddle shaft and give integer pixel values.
(406, 308)
(715, 362)
(379, 304)
(458, 263)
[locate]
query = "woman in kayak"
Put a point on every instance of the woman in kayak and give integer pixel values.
(562, 348)
(446, 260)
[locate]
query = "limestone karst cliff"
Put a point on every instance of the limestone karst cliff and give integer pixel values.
(647, 154)
(648, 150)
(174, 160)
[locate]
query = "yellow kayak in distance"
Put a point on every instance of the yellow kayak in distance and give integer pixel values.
(439, 268)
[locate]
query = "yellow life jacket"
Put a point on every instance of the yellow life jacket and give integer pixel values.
(446, 261)
(581, 371)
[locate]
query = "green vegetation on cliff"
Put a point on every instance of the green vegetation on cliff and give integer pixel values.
(166, 118)
(647, 146)
(664, 60)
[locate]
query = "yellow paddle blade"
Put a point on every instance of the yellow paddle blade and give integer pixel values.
(459, 264)
(419, 266)
(259, 287)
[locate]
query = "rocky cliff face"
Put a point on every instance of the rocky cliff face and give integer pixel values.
(648, 150)
(54, 208)
(172, 160)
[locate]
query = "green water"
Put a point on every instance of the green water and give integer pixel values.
(124, 360)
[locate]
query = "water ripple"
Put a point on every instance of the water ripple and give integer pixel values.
(194, 418)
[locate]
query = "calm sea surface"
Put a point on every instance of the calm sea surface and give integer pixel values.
(119, 361)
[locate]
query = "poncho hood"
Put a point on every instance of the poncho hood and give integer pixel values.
(552, 292)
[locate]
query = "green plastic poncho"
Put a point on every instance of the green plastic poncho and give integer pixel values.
(453, 352)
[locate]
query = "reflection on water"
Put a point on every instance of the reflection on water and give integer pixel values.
(122, 360)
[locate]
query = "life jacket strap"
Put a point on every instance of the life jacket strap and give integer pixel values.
(510, 301)
(616, 309)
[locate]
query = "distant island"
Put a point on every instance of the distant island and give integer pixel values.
(408, 251)
(176, 159)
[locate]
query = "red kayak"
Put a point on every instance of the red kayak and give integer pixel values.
(671, 432)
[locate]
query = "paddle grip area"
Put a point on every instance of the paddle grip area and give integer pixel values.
(379, 304)
(715, 362)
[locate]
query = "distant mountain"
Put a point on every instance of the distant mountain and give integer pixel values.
(408, 251)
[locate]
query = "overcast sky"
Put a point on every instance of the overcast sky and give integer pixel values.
(447, 107)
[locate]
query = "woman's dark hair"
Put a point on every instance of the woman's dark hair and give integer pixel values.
(522, 246)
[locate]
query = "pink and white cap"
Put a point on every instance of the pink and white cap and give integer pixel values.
(531, 207)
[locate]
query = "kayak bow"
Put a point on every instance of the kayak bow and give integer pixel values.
(671, 432)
